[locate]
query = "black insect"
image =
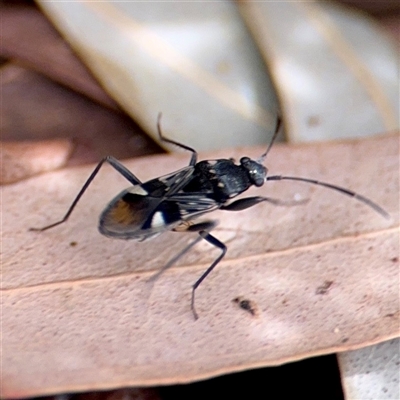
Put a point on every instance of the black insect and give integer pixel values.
(173, 201)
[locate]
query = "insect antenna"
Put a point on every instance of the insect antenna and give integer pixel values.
(340, 189)
(264, 155)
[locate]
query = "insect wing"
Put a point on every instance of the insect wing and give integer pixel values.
(167, 185)
(125, 214)
(192, 205)
(142, 211)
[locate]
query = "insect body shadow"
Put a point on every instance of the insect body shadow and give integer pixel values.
(172, 202)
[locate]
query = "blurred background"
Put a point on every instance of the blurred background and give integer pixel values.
(98, 74)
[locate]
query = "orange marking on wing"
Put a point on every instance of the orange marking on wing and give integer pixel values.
(121, 213)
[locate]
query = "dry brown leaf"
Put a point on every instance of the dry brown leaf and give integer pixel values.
(27, 36)
(21, 160)
(35, 108)
(79, 312)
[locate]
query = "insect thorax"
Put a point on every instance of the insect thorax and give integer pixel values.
(220, 179)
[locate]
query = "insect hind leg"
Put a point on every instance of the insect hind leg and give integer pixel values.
(193, 159)
(116, 165)
(173, 260)
(215, 242)
(203, 229)
(185, 227)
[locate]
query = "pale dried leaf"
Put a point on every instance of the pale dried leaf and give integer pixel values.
(373, 372)
(327, 61)
(79, 312)
(193, 61)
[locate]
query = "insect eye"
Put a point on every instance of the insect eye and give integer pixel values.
(258, 181)
(245, 161)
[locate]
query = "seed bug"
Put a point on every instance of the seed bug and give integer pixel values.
(171, 202)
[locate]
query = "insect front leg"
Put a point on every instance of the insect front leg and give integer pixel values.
(248, 202)
(116, 165)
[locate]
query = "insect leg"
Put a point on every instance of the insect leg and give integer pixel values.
(215, 242)
(193, 159)
(173, 260)
(185, 228)
(248, 202)
(340, 189)
(116, 165)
